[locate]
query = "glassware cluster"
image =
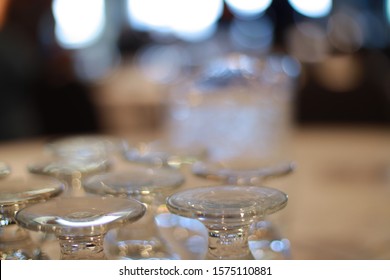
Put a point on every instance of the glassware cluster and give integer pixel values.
(103, 197)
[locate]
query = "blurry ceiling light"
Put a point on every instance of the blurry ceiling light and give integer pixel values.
(345, 32)
(312, 8)
(248, 8)
(78, 23)
(190, 20)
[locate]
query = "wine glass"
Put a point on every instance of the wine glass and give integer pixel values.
(70, 170)
(227, 211)
(72, 157)
(266, 235)
(80, 223)
(85, 146)
(161, 154)
(150, 186)
(240, 175)
(16, 194)
(5, 170)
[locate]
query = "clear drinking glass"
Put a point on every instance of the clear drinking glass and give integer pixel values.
(150, 186)
(16, 194)
(80, 223)
(5, 170)
(227, 212)
(240, 109)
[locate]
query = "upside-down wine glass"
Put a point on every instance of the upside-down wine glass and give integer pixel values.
(73, 157)
(267, 237)
(69, 170)
(227, 212)
(85, 146)
(150, 186)
(160, 153)
(16, 194)
(80, 223)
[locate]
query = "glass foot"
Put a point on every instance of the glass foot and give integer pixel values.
(241, 176)
(227, 212)
(16, 194)
(70, 170)
(142, 239)
(137, 181)
(61, 167)
(80, 223)
(161, 154)
(85, 146)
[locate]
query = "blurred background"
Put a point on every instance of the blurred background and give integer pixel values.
(69, 66)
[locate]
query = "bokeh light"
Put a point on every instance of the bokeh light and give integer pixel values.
(248, 8)
(190, 20)
(345, 32)
(252, 35)
(78, 23)
(162, 63)
(310, 8)
(308, 42)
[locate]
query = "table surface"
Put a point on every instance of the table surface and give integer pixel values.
(339, 195)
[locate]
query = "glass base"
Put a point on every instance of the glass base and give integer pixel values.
(240, 176)
(227, 212)
(159, 153)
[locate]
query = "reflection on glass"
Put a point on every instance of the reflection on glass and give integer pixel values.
(16, 194)
(227, 212)
(188, 237)
(142, 239)
(266, 242)
(80, 223)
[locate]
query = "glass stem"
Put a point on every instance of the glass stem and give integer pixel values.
(73, 186)
(82, 247)
(228, 243)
